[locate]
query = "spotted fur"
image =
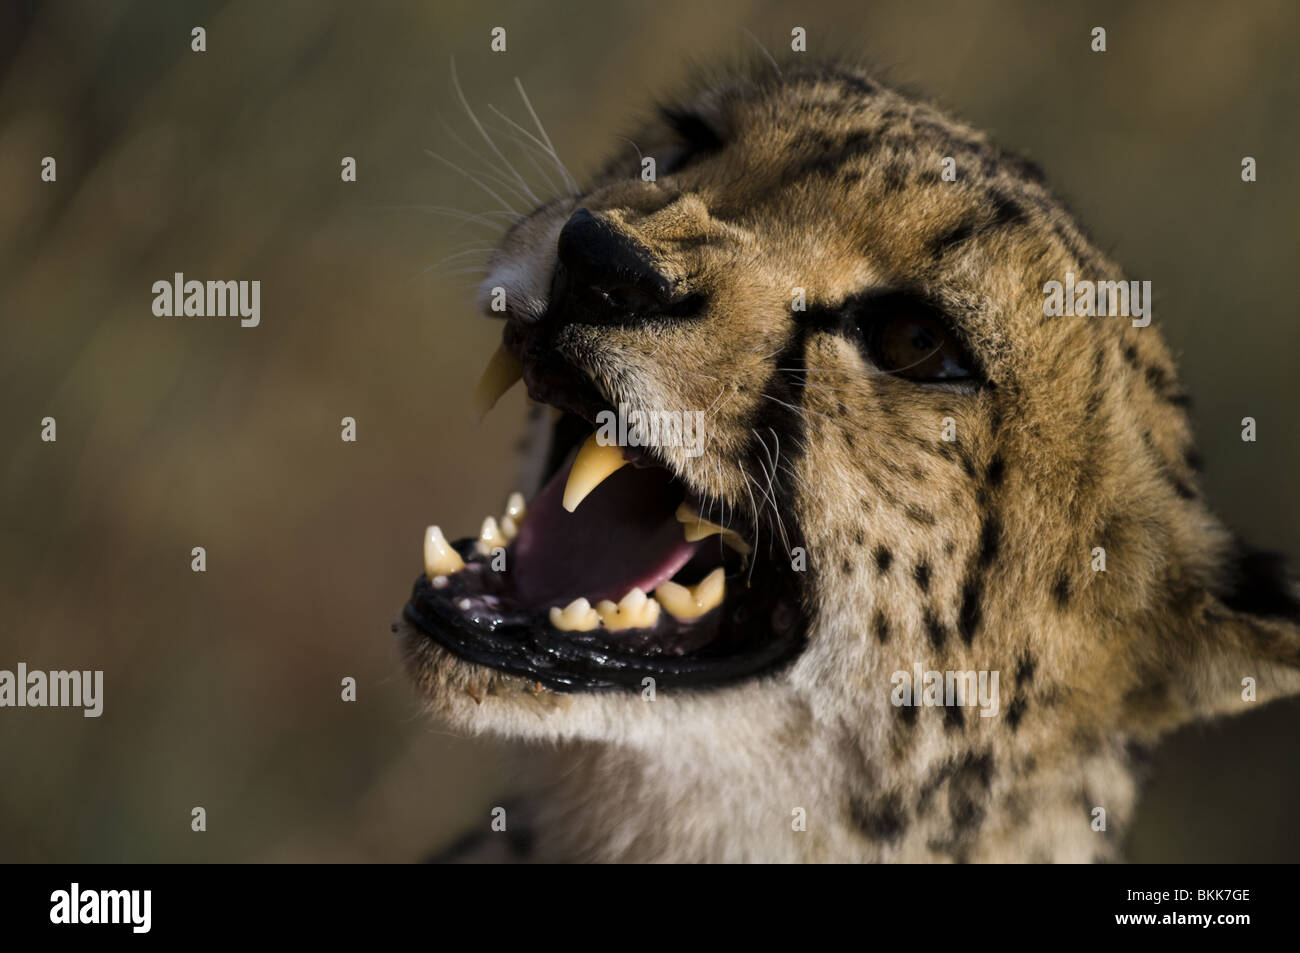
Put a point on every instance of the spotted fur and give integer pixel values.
(974, 554)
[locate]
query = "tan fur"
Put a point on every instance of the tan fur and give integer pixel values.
(1084, 426)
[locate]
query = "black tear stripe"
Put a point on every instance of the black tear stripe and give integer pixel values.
(778, 427)
(971, 613)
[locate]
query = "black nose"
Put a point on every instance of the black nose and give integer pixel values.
(604, 276)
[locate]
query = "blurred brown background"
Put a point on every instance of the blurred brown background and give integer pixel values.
(222, 689)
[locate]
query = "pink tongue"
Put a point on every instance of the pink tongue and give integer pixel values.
(622, 536)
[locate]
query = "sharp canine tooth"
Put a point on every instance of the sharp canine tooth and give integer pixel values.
(697, 527)
(508, 528)
(503, 371)
(439, 558)
(635, 610)
(516, 507)
(709, 591)
(489, 537)
(591, 467)
(685, 603)
(578, 616)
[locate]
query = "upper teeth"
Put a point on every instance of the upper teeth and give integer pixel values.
(503, 371)
(439, 558)
(697, 527)
(593, 464)
(690, 602)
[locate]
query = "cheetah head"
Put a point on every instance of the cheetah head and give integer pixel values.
(904, 460)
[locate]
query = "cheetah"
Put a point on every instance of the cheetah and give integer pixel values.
(910, 467)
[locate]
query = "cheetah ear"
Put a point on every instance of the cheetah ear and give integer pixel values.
(1250, 627)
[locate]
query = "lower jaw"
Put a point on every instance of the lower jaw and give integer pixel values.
(746, 637)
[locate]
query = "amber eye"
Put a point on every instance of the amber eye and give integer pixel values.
(910, 340)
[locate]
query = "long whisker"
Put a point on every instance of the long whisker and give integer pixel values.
(770, 58)
(529, 146)
(457, 213)
(486, 138)
(573, 186)
(506, 206)
(490, 172)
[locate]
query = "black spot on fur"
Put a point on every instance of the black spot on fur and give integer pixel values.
(1025, 670)
(922, 575)
(969, 781)
(856, 84)
(883, 558)
(1006, 210)
(894, 177)
(1015, 711)
(954, 718)
(919, 514)
(846, 567)
(830, 162)
(881, 626)
(990, 541)
(857, 538)
(885, 820)
(951, 239)
(936, 630)
(906, 714)
(1027, 169)
(968, 621)
(1061, 590)
(996, 470)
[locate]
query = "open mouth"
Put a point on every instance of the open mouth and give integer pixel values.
(609, 576)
